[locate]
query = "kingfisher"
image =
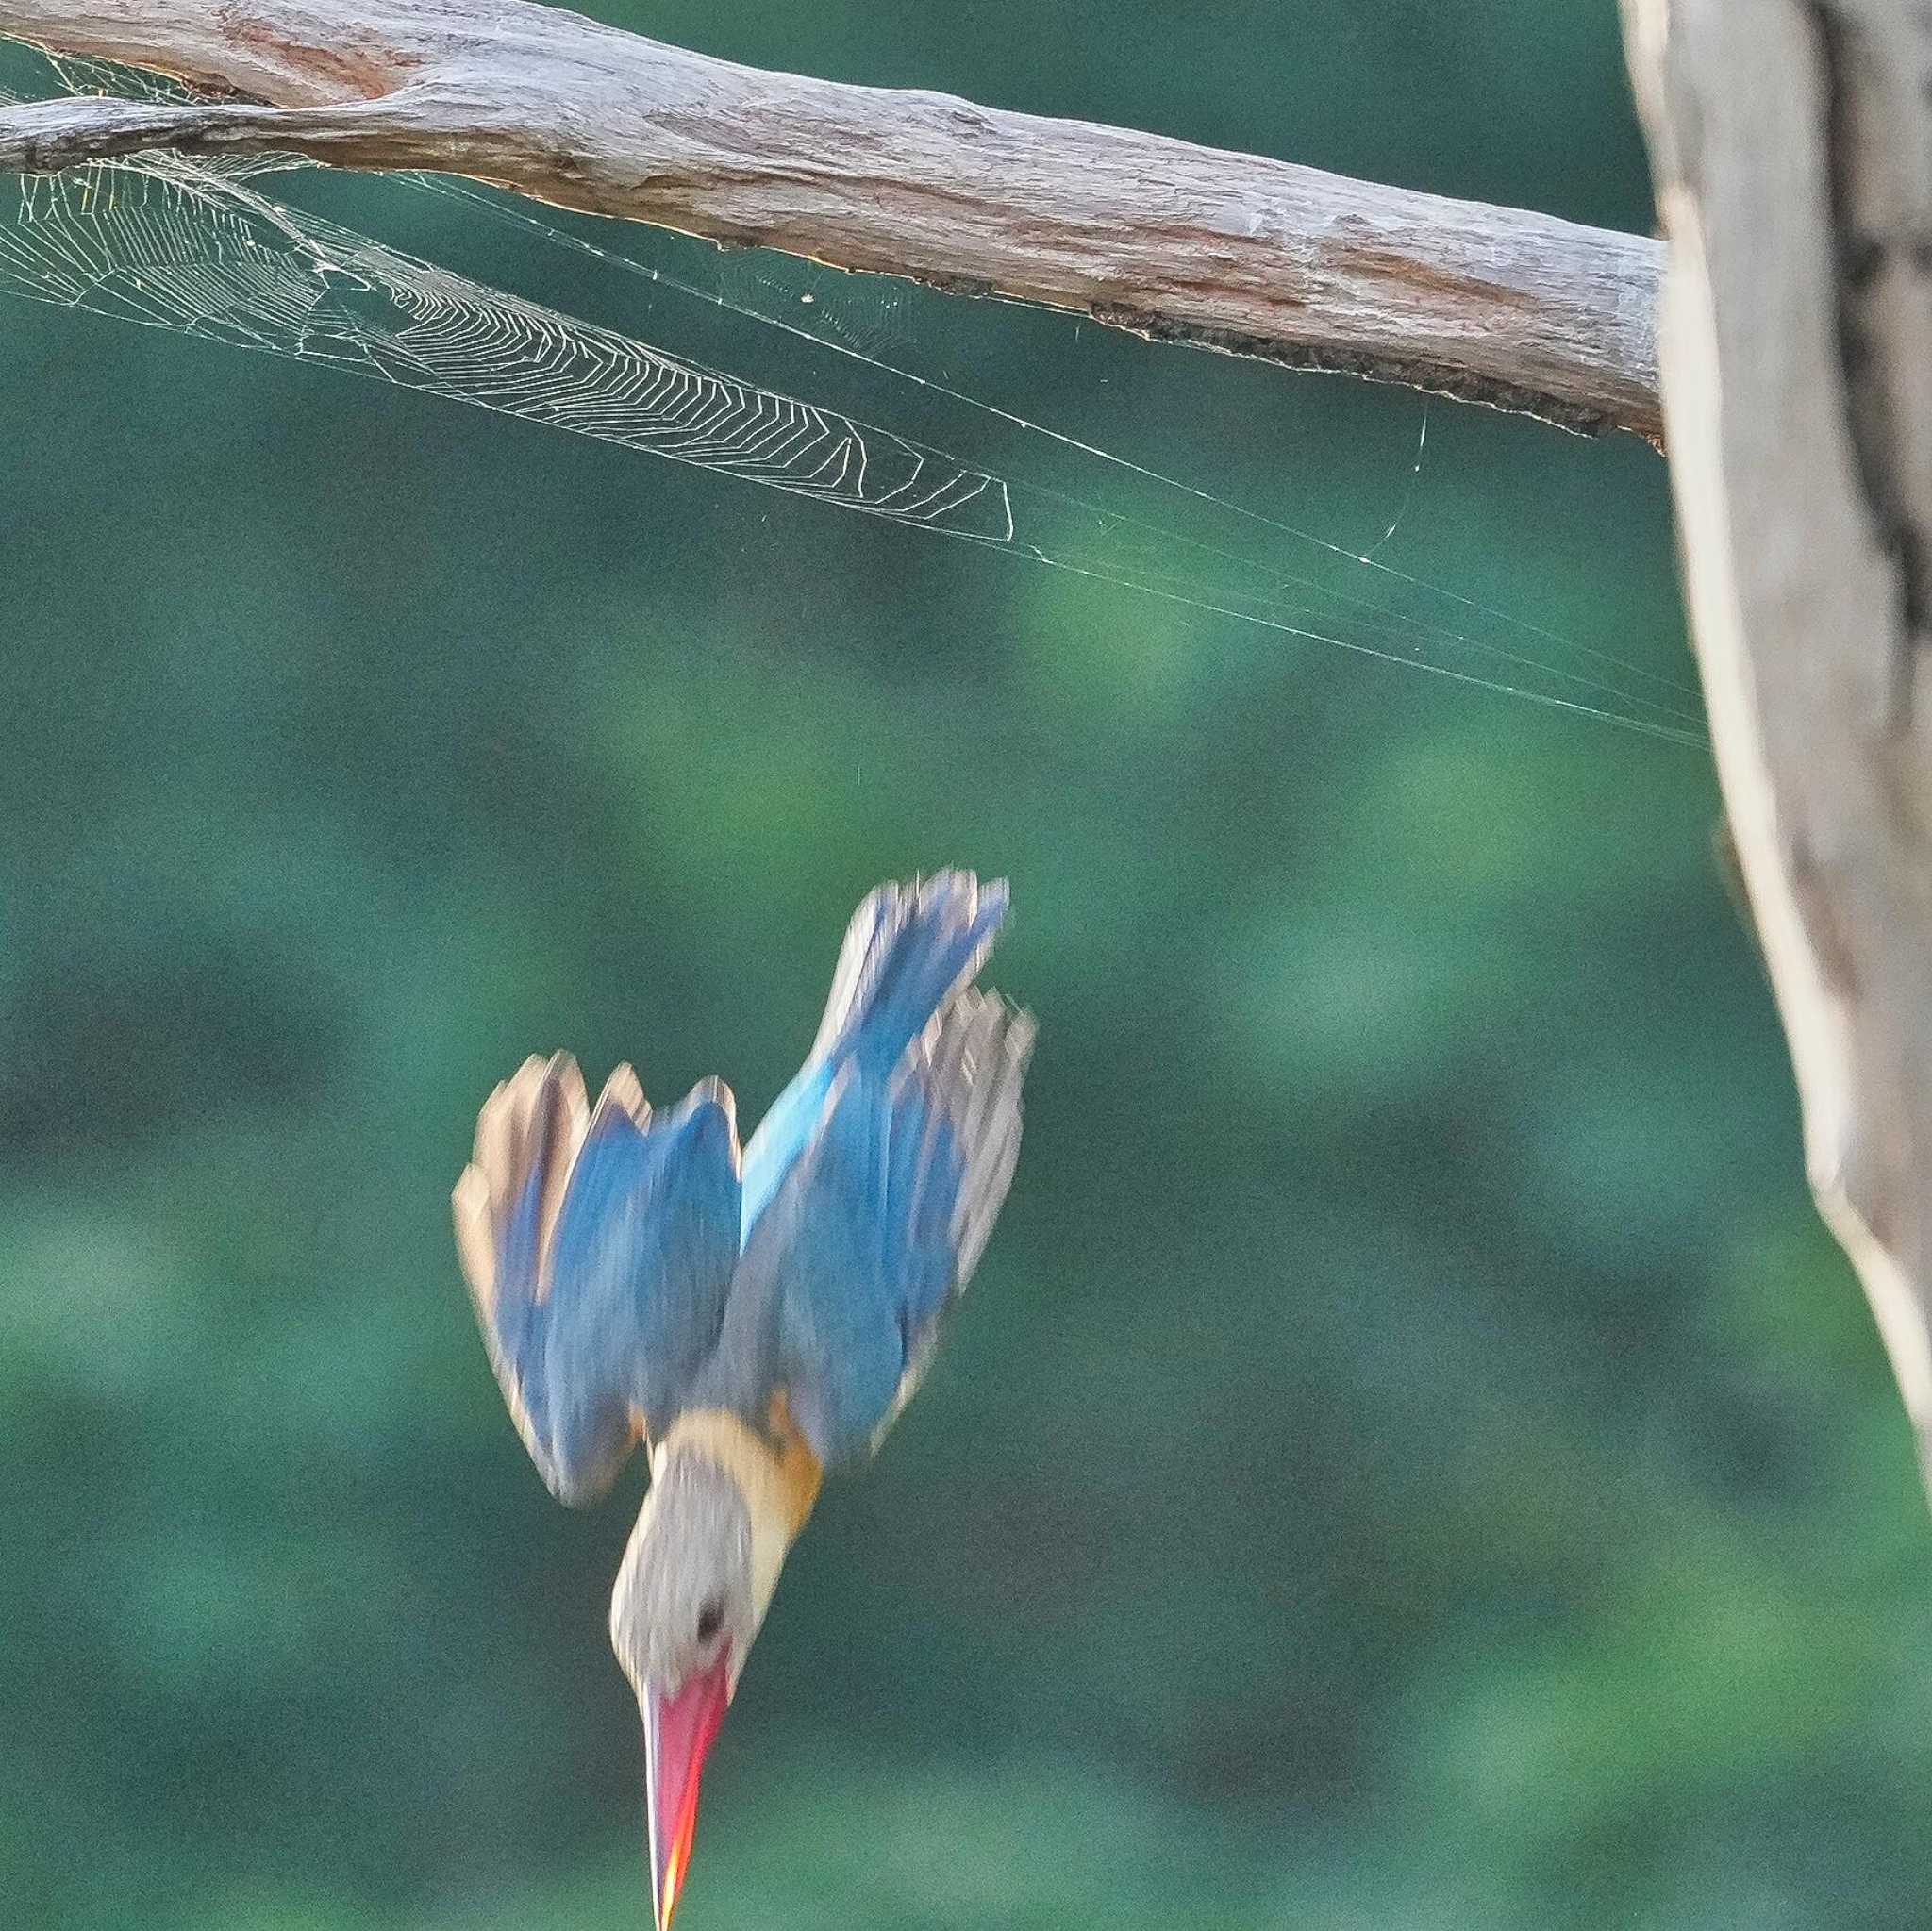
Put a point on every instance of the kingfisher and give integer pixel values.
(756, 1317)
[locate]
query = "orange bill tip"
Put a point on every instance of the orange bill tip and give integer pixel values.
(679, 1730)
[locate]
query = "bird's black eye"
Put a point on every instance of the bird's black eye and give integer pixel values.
(710, 1617)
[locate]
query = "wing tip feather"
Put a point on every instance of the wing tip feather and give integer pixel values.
(948, 903)
(475, 1235)
(622, 1101)
(529, 1127)
(711, 1107)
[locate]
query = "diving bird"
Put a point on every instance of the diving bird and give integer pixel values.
(755, 1318)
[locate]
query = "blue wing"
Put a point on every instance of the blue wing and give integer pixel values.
(878, 1226)
(908, 949)
(599, 1249)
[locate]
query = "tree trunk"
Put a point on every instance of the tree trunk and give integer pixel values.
(1792, 148)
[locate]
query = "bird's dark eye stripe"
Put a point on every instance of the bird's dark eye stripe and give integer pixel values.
(711, 1620)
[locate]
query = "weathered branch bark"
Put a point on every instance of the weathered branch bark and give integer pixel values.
(1180, 242)
(1792, 146)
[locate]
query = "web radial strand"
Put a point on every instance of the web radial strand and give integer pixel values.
(199, 247)
(858, 316)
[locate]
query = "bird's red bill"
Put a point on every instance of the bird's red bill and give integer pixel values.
(678, 1732)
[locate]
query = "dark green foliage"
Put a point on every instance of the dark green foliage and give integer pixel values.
(1410, 1456)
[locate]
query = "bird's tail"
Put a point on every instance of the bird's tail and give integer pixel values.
(908, 949)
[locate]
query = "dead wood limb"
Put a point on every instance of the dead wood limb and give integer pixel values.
(1183, 243)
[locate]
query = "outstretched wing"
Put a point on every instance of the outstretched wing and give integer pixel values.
(877, 1227)
(908, 949)
(599, 1249)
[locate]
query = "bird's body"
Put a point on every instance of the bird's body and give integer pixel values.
(756, 1317)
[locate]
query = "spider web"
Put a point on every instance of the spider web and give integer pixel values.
(203, 248)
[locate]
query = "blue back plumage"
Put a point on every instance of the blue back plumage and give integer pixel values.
(622, 1270)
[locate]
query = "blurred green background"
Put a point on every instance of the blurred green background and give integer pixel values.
(1410, 1459)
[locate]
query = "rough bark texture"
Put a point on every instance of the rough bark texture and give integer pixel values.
(1180, 242)
(1792, 147)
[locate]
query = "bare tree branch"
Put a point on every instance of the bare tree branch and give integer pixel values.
(1178, 242)
(1792, 145)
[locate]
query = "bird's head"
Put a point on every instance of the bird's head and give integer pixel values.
(683, 1617)
(724, 1506)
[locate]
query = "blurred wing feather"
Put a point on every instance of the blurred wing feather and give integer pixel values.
(908, 950)
(599, 1249)
(878, 1227)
